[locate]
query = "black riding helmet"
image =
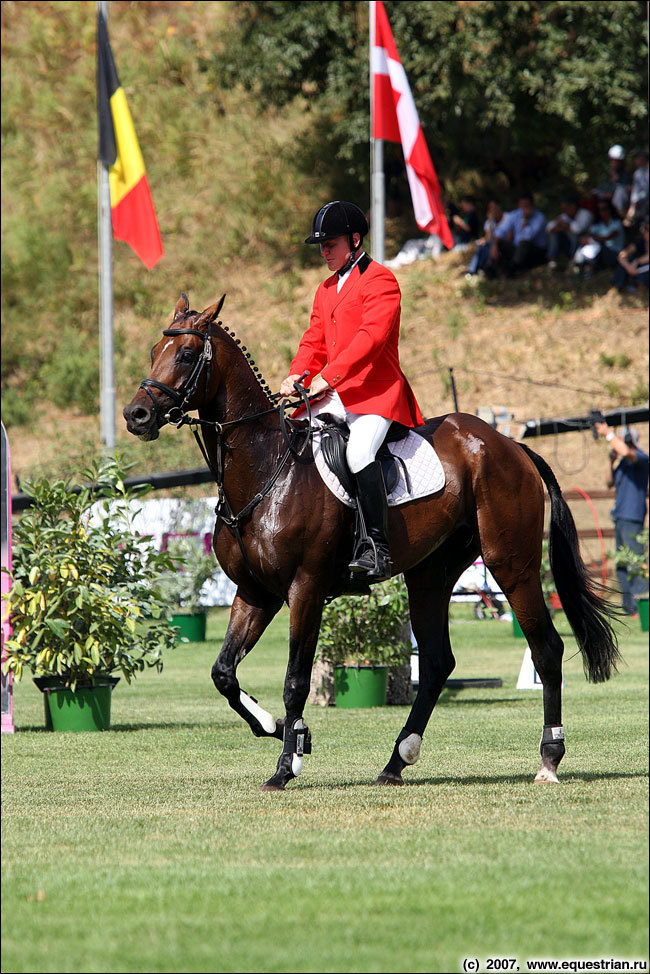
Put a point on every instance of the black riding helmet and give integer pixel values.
(337, 219)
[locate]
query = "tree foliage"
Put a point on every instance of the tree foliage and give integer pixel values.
(528, 88)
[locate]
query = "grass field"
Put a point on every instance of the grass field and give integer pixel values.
(150, 848)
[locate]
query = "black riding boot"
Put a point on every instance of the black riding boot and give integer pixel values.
(372, 555)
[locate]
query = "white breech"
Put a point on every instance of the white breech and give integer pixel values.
(367, 432)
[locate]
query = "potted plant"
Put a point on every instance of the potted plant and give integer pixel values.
(192, 567)
(636, 563)
(364, 640)
(84, 601)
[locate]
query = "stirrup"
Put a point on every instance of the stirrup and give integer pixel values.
(371, 560)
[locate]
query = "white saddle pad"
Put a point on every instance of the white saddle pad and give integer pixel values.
(425, 471)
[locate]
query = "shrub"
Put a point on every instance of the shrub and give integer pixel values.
(370, 629)
(635, 562)
(192, 569)
(84, 599)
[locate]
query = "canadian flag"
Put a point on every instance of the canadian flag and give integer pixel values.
(395, 118)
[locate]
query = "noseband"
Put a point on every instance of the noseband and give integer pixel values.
(189, 387)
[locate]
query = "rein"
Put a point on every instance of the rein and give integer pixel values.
(177, 417)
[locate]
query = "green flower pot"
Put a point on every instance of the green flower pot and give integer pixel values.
(191, 626)
(360, 686)
(642, 605)
(87, 708)
(516, 628)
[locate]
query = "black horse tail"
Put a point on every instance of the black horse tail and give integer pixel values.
(588, 614)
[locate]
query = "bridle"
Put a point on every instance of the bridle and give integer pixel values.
(183, 396)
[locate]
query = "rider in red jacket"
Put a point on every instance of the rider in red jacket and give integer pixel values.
(350, 352)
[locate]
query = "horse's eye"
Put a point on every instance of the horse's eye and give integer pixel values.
(187, 355)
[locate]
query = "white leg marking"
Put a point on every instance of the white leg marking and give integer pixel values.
(546, 776)
(266, 719)
(296, 764)
(409, 748)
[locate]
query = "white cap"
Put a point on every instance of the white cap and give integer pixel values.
(616, 152)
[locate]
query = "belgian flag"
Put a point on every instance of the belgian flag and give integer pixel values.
(132, 209)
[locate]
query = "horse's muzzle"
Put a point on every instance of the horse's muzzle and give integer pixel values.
(141, 421)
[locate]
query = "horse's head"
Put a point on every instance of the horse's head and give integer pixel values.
(182, 372)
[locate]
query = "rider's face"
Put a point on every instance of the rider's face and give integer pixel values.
(335, 252)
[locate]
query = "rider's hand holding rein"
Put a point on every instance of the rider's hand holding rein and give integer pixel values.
(318, 386)
(286, 388)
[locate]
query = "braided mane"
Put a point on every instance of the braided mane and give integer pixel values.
(261, 381)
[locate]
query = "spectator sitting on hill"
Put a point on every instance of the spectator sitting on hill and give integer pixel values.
(604, 242)
(616, 187)
(420, 248)
(464, 224)
(493, 219)
(519, 241)
(638, 209)
(632, 272)
(566, 229)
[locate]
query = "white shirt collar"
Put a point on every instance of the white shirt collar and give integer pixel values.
(342, 279)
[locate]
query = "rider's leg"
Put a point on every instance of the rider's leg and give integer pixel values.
(330, 403)
(367, 433)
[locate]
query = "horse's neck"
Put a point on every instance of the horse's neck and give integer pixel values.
(250, 449)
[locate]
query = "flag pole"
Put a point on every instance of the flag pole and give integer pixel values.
(377, 184)
(105, 251)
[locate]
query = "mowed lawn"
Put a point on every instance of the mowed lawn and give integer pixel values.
(150, 847)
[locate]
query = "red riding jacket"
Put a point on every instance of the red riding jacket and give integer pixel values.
(352, 340)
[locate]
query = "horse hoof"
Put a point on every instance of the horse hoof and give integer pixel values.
(389, 779)
(546, 776)
(272, 785)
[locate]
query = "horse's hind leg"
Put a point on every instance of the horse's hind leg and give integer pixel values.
(249, 617)
(512, 550)
(430, 585)
(547, 649)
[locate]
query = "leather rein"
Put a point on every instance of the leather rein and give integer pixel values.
(177, 417)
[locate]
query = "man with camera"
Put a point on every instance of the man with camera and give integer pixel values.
(628, 474)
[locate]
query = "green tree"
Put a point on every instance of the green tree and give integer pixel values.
(529, 89)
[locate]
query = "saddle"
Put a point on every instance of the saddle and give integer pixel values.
(334, 437)
(410, 468)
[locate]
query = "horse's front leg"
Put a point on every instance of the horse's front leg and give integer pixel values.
(306, 608)
(249, 617)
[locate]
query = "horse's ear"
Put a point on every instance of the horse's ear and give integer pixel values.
(210, 313)
(182, 307)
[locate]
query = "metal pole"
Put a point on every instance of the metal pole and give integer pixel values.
(453, 387)
(105, 251)
(377, 183)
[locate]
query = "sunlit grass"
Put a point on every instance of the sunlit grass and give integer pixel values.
(151, 848)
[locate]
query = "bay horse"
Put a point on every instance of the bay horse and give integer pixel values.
(291, 538)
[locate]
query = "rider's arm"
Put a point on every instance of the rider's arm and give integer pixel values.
(312, 353)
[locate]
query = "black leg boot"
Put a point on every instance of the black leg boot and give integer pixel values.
(372, 555)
